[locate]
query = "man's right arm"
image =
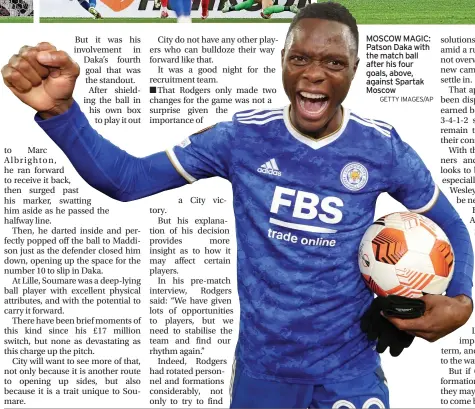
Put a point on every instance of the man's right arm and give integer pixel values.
(44, 79)
(103, 165)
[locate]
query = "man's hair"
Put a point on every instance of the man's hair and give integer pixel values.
(327, 11)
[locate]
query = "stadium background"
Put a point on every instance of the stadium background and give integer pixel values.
(365, 11)
(133, 9)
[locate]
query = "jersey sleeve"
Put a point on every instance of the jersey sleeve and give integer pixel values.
(205, 154)
(105, 166)
(410, 181)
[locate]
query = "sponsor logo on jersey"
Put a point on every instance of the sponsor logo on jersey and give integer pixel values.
(354, 176)
(270, 167)
(306, 206)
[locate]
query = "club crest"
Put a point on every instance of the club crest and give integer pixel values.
(354, 176)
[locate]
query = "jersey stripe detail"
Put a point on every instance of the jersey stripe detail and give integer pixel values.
(302, 227)
(371, 125)
(261, 116)
(429, 204)
(177, 165)
(374, 121)
(383, 125)
(257, 111)
(262, 121)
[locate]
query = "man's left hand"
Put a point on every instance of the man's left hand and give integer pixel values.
(442, 316)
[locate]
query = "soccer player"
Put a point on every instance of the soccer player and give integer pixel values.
(90, 6)
(204, 9)
(163, 5)
(268, 7)
(299, 222)
(182, 9)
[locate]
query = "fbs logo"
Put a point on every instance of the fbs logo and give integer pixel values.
(117, 5)
(307, 206)
(270, 167)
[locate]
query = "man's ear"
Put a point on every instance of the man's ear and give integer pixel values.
(282, 53)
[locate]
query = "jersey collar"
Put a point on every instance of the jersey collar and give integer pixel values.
(315, 143)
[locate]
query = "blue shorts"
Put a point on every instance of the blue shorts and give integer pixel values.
(368, 391)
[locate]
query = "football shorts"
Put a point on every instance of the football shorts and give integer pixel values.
(368, 391)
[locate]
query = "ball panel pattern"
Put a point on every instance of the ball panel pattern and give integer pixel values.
(406, 254)
(389, 246)
(442, 258)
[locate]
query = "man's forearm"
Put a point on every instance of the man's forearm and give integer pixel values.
(105, 166)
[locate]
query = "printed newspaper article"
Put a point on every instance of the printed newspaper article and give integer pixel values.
(175, 234)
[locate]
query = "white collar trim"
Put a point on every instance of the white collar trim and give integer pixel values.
(314, 143)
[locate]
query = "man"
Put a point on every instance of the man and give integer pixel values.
(163, 6)
(268, 7)
(300, 342)
(90, 7)
(204, 9)
(182, 10)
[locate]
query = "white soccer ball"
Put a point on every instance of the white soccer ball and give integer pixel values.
(406, 254)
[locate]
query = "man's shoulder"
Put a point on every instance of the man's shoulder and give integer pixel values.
(373, 126)
(258, 117)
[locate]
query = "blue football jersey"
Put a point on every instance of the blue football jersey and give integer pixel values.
(301, 208)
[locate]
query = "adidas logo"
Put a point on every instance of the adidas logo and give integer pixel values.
(270, 167)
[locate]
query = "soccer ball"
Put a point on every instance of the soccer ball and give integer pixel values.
(406, 254)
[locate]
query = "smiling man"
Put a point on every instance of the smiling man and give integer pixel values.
(318, 68)
(305, 181)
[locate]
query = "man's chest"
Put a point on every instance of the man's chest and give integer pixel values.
(325, 190)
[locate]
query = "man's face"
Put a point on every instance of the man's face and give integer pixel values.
(319, 62)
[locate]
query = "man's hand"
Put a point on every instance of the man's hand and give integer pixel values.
(42, 78)
(379, 329)
(443, 315)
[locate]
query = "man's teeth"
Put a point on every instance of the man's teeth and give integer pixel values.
(312, 96)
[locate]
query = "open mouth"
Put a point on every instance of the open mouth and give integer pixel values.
(312, 105)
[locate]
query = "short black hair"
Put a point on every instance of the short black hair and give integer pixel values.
(327, 11)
